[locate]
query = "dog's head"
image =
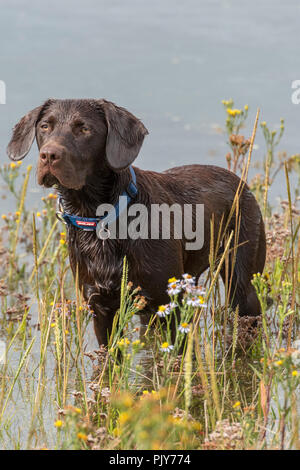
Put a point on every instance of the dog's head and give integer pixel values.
(77, 137)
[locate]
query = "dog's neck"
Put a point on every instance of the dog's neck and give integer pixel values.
(103, 187)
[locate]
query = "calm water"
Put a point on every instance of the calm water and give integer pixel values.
(170, 62)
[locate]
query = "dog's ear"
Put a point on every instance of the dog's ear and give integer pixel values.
(24, 133)
(125, 135)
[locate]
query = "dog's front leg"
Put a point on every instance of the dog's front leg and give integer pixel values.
(102, 325)
(104, 309)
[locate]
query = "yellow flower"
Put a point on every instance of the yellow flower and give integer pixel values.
(172, 280)
(18, 213)
(29, 168)
(246, 107)
(62, 242)
(279, 363)
(237, 404)
(82, 436)
(38, 214)
(78, 410)
(124, 417)
(19, 163)
(162, 308)
(58, 423)
(233, 112)
(67, 332)
(52, 325)
(4, 217)
(13, 165)
(294, 373)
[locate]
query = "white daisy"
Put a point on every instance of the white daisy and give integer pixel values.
(174, 289)
(166, 347)
(163, 310)
(196, 301)
(184, 328)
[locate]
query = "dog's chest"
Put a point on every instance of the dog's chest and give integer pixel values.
(99, 261)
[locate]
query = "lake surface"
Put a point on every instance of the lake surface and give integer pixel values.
(169, 62)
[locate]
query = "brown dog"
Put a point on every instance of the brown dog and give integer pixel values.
(86, 147)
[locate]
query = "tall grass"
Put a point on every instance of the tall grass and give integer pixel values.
(221, 382)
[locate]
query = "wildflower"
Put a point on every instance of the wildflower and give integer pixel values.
(127, 401)
(172, 280)
(67, 332)
(82, 436)
(124, 417)
(145, 392)
(196, 301)
(38, 214)
(29, 168)
(58, 423)
(78, 410)
(188, 278)
(184, 328)
(233, 112)
(123, 342)
(4, 216)
(163, 310)
(62, 242)
(173, 289)
(246, 107)
(13, 166)
(19, 163)
(17, 213)
(294, 373)
(52, 325)
(172, 305)
(279, 363)
(166, 347)
(188, 282)
(237, 404)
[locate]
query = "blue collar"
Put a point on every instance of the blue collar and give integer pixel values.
(90, 223)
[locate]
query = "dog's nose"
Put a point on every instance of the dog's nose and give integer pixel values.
(50, 154)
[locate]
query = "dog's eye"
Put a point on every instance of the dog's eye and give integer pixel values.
(85, 130)
(44, 127)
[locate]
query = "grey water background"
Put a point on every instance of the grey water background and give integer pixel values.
(170, 62)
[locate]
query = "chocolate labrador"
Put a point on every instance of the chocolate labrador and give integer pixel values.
(86, 149)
